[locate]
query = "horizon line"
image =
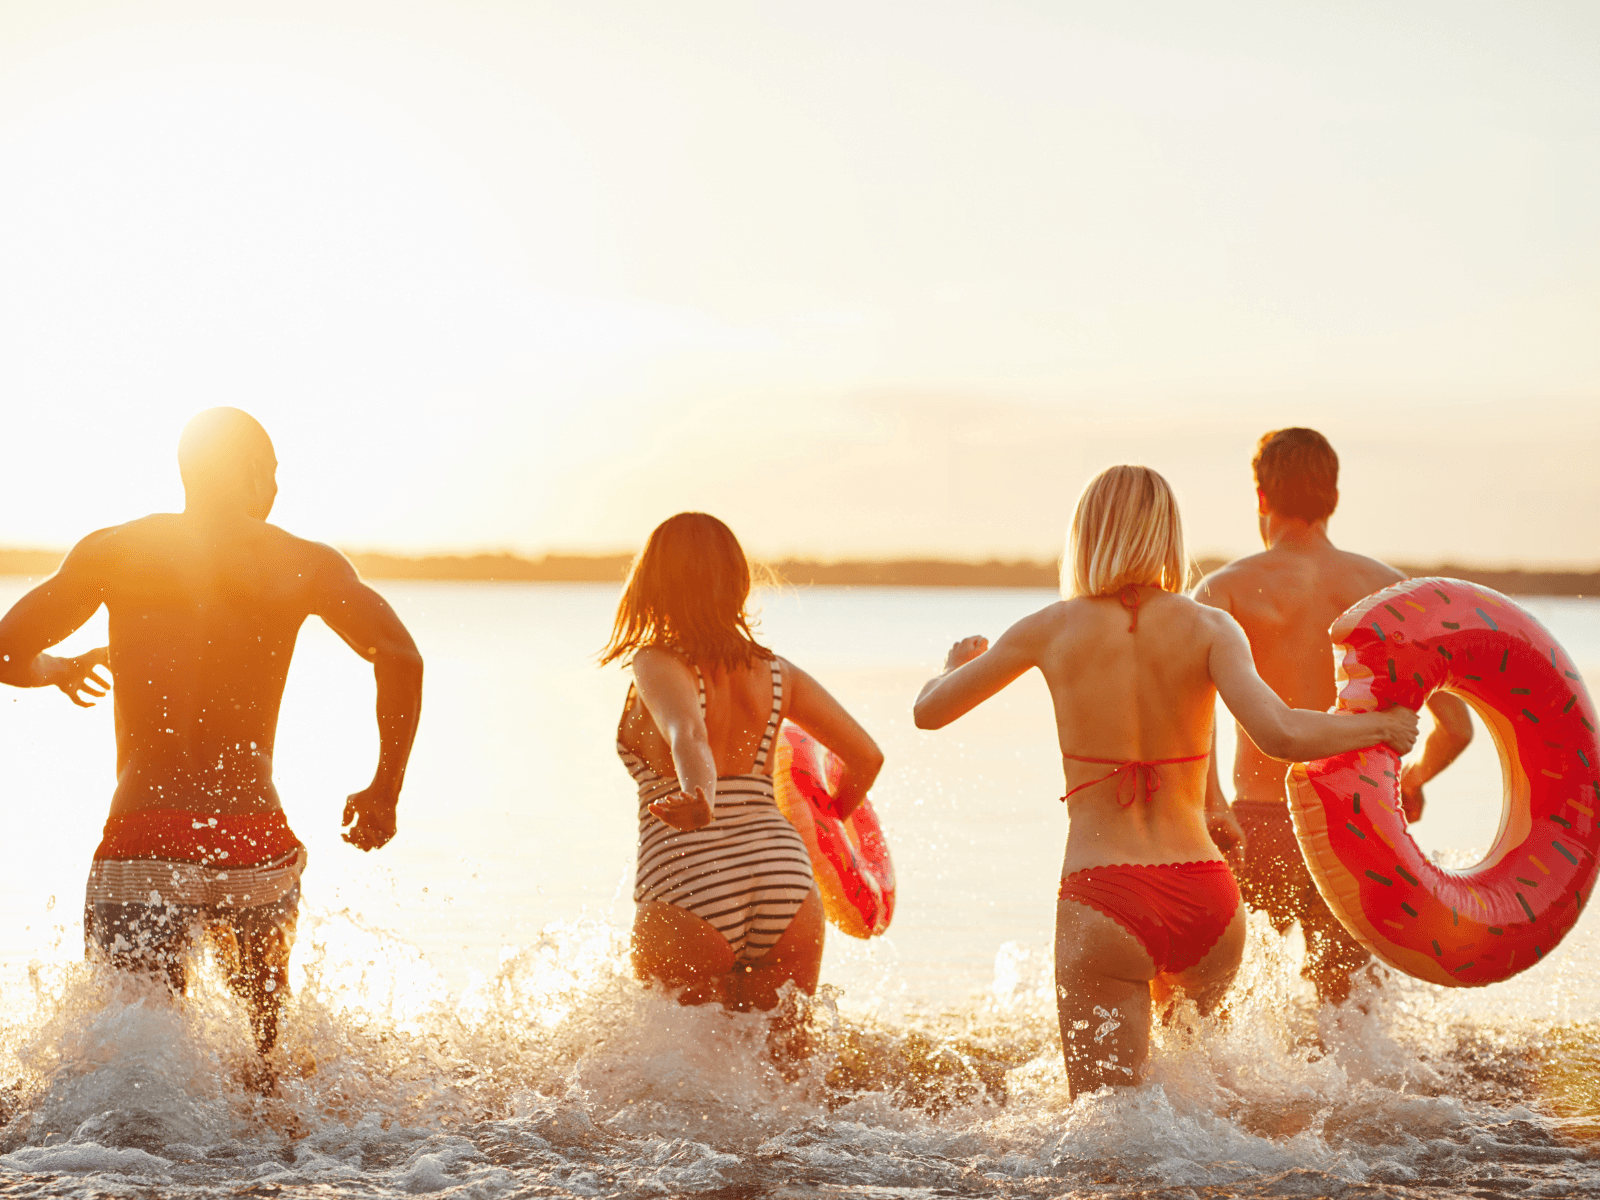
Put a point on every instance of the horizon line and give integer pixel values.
(905, 571)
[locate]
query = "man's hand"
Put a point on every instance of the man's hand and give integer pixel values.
(1411, 792)
(1227, 833)
(683, 811)
(370, 818)
(80, 677)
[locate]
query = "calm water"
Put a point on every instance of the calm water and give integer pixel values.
(474, 1034)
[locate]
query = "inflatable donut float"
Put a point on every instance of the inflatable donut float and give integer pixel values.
(850, 857)
(1483, 924)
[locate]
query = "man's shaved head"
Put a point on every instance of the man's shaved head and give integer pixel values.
(225, 455)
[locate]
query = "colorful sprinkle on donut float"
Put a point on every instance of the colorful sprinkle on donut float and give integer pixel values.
(1483, 924)
(850, 858)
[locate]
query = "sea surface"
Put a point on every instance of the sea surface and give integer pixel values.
(464, 1023)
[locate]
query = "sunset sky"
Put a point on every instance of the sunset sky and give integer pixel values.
(862, 278)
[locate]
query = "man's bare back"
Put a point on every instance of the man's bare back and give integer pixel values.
(204, 613)
(205, 606)
(1285, 598)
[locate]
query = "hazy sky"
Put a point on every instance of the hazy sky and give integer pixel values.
(862, 278)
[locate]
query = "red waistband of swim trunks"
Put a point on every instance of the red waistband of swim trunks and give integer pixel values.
(173, 835)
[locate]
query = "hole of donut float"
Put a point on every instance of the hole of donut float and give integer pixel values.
(1463, 804)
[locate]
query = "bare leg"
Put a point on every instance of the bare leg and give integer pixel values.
(252, 946)
(1102, 998)
(681, 952)
(1209, 979)
(142, 939)
(1332, 955)
(796, 959)
(262, 978)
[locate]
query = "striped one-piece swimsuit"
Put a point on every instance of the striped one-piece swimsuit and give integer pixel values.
(747, 872)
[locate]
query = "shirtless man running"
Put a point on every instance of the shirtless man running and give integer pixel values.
(1285, 598)
(205, 606)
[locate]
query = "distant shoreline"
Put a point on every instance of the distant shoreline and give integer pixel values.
(797, 572)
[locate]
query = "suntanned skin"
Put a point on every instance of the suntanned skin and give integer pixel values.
(1128, 695)
(1284, 599)
(663, 726)
(204, 608)
(204, 611)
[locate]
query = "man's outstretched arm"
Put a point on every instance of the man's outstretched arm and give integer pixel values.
(48, 614)
(1450, 735)
(369, 627)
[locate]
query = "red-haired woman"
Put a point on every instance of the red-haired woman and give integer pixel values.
(727, 907)
(1147, 906)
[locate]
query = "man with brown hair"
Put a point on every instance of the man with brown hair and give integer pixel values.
(1286, 597)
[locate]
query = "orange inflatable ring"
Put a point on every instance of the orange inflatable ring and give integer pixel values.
(849, 858)
(1486, 923)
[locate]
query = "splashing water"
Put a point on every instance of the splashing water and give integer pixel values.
(562, 1076)
(551, 1072)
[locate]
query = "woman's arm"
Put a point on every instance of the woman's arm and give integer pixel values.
(824, 718)
(974, 671)
(1293, 734)
(667, 689)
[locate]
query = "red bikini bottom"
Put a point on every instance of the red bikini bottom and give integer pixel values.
(1178, 911)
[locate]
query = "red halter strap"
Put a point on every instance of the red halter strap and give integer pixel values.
(1130, 780)
(1129, 597)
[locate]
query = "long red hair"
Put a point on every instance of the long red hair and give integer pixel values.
(687, 592)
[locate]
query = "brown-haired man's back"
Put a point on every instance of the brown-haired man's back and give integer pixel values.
(1285, 598)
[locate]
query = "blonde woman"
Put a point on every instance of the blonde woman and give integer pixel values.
(1147, 906)
(728, 910)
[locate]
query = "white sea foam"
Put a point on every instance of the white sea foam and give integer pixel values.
(562, 1076)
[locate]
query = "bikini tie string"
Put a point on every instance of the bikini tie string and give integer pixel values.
(1129, 783)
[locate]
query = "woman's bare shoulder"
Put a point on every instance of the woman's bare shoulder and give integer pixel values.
(1073, 609)
(1051, 621)
(658, 659)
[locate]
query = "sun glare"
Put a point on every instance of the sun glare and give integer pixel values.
(185, 246)
(494, 276)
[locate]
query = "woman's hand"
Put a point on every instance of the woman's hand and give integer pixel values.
(684, 812)
(1227, 833)
(1399, 725)
(973, 671)
(964, 651)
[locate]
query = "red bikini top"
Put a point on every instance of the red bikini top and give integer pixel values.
(1129, 598)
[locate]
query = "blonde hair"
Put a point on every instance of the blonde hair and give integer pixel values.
(1125, 531)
